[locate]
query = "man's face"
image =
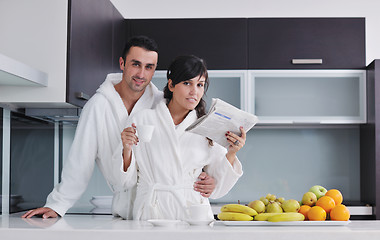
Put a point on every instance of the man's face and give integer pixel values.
(139, 68)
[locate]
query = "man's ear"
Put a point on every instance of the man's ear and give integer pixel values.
(121, 63)
(170, 85)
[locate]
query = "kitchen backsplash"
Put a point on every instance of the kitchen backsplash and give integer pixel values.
(285, 161)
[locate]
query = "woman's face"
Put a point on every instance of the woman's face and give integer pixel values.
(187, 94)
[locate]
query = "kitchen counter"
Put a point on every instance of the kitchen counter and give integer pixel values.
(106, 227)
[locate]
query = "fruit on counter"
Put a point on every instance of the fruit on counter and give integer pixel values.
(336, 195)
(309, 199)
(271, 197)
(326, 202)
(286, 217)
(234, 216)
(318, 190)
(264, 216)
(264, 200)
(238, 208)
(340, 213)
(280, 200)
(257, 205)
(290, 205)
(274, 207)
(316, 213)
(304, 209)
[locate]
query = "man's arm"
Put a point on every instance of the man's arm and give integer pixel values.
(44, 211)
(205, 185)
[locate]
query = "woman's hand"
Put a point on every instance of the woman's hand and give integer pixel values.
(236, 143)
(129, 138)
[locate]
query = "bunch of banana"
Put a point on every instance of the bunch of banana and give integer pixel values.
(236, 212)
(280, 217)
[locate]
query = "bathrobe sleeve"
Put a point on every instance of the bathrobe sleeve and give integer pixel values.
(79, 165)
(222, 171)
(126, 179)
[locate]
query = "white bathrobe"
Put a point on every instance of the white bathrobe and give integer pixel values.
(97, 136)
(167, 167)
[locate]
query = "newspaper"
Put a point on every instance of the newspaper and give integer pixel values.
(222, 117)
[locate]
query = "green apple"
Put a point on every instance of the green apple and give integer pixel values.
(319, 191)
(280, 200)
(290, 205)
(273, 207)
(309, 198)
(258, 205)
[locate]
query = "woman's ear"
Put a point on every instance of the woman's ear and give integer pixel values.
(170, 85)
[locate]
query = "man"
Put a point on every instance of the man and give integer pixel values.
(99, 132)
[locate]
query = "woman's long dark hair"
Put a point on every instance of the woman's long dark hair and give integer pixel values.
(184, 68)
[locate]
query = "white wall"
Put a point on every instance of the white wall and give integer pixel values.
(35, 33)
(262, 8)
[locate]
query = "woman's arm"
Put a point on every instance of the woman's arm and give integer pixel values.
(129, 138)
(236, 143)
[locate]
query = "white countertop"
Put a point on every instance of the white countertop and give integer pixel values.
(105, 227)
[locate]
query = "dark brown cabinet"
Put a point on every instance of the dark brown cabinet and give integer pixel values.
(370, 142)
(306, 43)
(222, 43)
(96, 36)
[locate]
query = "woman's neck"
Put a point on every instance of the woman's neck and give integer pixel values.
(178, 113)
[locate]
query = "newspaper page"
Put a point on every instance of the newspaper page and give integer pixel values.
(222, 117)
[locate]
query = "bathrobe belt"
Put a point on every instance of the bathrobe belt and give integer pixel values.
(174, 189)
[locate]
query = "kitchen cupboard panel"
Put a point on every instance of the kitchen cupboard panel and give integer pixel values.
(338, 42)
(221, 42)
(89, 48)
(370, 143)
(227, 85)
(308, 96)
(1, 156)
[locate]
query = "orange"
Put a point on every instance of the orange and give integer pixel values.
(340, 213)
(304, 209)
(336, 195)
(316, 213)
(326, 202)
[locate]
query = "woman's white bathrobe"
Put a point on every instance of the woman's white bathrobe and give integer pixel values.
(167, 167)
(97, 136)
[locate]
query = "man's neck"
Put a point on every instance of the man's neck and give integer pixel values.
(128, 96)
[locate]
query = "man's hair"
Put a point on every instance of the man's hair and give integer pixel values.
(139, 41)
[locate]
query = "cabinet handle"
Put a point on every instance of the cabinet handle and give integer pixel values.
(82, 95)
(306, 61)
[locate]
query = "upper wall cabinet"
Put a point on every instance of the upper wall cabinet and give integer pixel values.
(306, 43)
(222, 43)
(308, 96)
(95, 43)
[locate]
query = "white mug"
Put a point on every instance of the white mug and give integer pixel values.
(199, 212)
(145, 132)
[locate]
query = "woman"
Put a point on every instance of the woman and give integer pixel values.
(166, 168)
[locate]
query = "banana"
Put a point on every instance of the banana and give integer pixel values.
(238, 208)
(264, 216)
(285, 217)
(234, 216)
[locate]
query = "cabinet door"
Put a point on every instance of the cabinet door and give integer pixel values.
(306, 43)
(222, 43)
(228, 85)
(308, 96)
(93, 48)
